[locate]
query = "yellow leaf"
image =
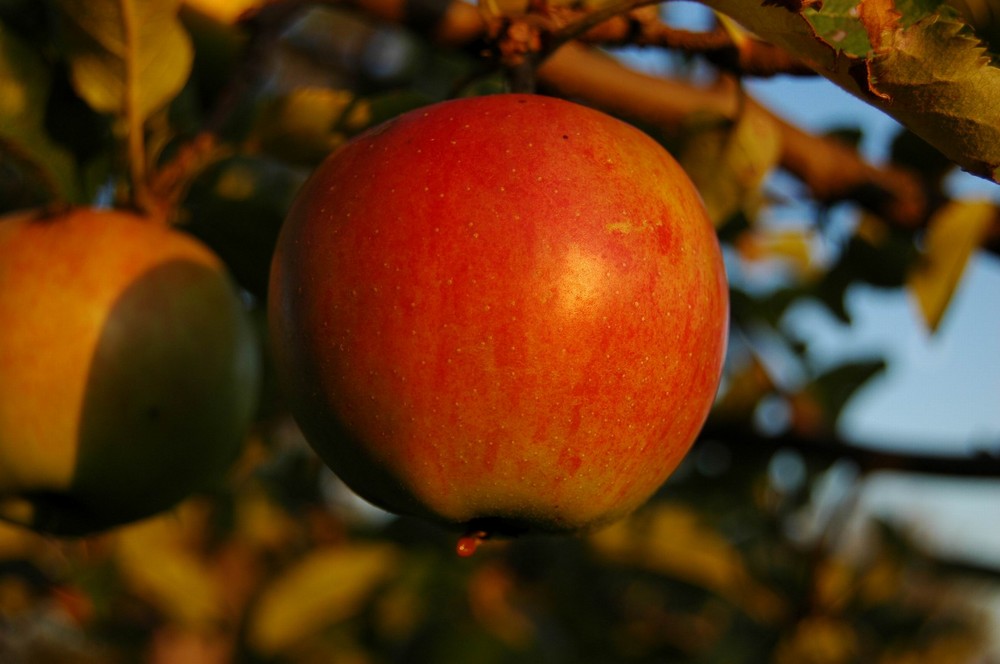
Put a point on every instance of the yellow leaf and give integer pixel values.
(302, 125)
(496, 8)
(672, 540)
(224, 11)
(739, 35)
(881, 582)
(729, 160)
(818, 640)
(834, 584)
(743, 391)
(792, 246)
(19, 542)
(953, 234)
(159, 563)
(262, 523)
(323, 588)
(125, 57)
(871, 229)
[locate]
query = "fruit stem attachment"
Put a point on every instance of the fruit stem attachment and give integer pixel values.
(522, 78)
(469, 542)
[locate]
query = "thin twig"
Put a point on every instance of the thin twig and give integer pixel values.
(592, 19)
(867, 458)
(751, 57)
(135, 137)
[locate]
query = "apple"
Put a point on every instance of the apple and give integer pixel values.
(128, 369)
(507, 313)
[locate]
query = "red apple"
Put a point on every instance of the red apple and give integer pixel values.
(128, 369)
(507, 313)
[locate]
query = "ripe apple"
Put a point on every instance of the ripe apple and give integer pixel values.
(128, 369)
(507, 313)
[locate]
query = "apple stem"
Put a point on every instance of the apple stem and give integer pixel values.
(469, 542)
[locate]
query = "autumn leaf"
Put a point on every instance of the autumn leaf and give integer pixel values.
(793, 247)
(953, 234)
(729, 160)
(323, 588)
(225, 12)
(303, 126)
(126, 56)
(158, 564)
(914, 59)
(665, 542)
(819, 640)
(745, 388)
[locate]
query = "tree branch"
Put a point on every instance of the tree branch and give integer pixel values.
(985, 464)
(831, 170)
(749, 57)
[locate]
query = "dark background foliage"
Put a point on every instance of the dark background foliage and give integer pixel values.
(750, 553)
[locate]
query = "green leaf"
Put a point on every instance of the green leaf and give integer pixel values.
(237, 206)
(953, 234)
(876, 255)
(914, 59)
(842, 24)
(835, 387)
(24, 90)
(837, 24)
(126, 56)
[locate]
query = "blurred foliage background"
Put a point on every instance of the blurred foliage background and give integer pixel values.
(746, 555)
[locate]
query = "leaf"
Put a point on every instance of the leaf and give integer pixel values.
(24, 90)
(816, 407)
(876, 254)
(159, 565)
(498, 8)
(744, 389)
(126, 56)
(838, 23)
(323, 588)
(937, 80)
(304, 125)
(224, 12)
(728, 161)
(793, 247)
(672, 540)
(818, 638)
(953, 234)
(913, 59)
(915, 154)
(236, 206)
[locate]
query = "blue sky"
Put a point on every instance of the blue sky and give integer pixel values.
(940, 392)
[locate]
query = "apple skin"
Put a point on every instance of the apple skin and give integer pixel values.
(506, 313)
(128, 369)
